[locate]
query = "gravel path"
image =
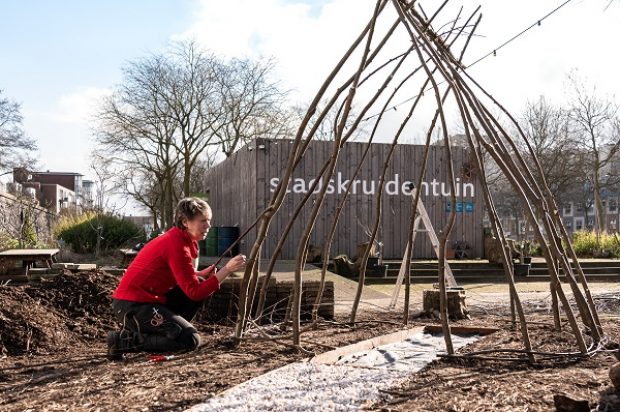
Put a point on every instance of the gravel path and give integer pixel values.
(350, 384)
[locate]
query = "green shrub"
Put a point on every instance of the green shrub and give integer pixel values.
(29, 234)
(70, 230)
(8, 242)
(80, 232)
(586, 245)
(610, 244)
(69, 220)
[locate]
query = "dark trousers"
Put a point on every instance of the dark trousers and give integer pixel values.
(156, 327)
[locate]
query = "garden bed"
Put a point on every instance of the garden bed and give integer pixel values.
(52, 341)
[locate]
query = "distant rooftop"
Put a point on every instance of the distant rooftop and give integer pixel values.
(58, 173)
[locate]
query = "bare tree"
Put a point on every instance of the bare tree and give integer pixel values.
(190, 87)
(138, 142)
(171, 108)
(104, 184)
(145, 189)
(596, 127)
(103, 202)
(252, 104)
(199, 171)
(564, 163)
(15, 145)
(23, 221)
(547, 129)
(156, 123)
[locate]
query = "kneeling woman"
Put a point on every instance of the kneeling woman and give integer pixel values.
(161, 291)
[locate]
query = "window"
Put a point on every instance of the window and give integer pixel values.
(568, 223)
(613, 206)
(579, 223)
(568, 209)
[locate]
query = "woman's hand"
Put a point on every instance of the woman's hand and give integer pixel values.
(235, 264)
(206, 272)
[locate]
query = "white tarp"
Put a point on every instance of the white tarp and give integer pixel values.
(353, 382)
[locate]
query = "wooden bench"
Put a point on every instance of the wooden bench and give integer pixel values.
(27, 259)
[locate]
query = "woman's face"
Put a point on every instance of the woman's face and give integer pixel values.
(198, 227)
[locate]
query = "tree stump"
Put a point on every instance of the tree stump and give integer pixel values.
(457, 308)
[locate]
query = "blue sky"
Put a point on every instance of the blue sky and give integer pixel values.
(58, 58)
(62, 54)
(50, 47)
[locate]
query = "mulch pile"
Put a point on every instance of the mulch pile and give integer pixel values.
(70, 309)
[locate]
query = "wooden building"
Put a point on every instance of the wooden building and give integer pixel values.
(240, 187)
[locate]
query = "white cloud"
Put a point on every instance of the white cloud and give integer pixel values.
(78, 107)
(64, 130)
(307, 42)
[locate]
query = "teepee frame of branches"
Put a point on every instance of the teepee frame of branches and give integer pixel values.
(427, 62)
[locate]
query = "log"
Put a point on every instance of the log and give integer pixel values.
(457, 308)
(462, 330)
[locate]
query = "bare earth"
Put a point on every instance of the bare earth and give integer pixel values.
(51, 343)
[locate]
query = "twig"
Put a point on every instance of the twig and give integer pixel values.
(279, 340)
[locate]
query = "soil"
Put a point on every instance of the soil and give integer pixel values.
(513, 383)
(52, 338)
(52, 343)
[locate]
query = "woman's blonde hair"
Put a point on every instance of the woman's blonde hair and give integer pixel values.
(188, 208)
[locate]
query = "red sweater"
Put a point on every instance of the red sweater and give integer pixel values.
(163, 263)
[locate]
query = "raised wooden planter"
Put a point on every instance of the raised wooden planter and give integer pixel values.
(224, 303)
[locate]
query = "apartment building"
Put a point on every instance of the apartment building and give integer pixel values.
(53, 190)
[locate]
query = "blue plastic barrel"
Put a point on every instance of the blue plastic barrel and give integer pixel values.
(226, 236)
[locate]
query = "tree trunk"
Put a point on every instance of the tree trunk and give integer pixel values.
(555, 308)
(187, 168)
(600, 215)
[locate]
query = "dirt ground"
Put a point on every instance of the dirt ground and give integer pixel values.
(53, 353)
(494, 385)
(52, 358)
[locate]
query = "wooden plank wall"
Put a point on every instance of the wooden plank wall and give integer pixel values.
(231, 189)
(267, 160)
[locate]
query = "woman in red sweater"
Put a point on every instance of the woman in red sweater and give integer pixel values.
(161, 291)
